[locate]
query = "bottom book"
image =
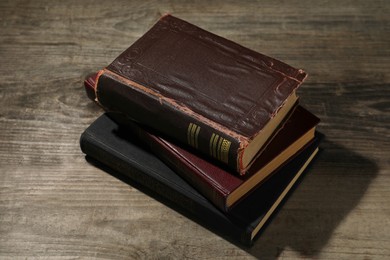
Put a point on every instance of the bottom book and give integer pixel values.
(105, 142)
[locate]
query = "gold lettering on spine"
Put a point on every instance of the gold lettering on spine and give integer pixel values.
(196, 137)
(225, 150)
(189, 133)
(219, 148)
(192, 135)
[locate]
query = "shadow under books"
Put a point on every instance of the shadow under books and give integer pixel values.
(334, 184)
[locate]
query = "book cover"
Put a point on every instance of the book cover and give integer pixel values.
(105, 141)
(203, 90)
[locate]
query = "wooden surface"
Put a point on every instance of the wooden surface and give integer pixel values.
(53, 204)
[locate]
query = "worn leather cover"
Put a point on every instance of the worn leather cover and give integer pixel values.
(111, 145)
(193, 85)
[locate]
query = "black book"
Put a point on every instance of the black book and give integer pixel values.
(108, 143)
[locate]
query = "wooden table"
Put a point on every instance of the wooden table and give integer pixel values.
(54, 204)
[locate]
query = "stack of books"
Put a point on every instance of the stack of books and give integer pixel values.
(204, 122)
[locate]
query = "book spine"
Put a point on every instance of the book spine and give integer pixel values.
(206, 215)
(169, 119)
(184, 169)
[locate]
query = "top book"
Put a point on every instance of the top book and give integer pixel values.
(195, 87)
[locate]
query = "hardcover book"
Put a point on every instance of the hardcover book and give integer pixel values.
(221, 186)
(203, 90)
(111, 145)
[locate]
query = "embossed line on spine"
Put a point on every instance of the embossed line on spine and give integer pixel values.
(192, 135)
(219, 148)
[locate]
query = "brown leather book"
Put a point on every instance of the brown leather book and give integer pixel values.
(215, 95)
(222, 187)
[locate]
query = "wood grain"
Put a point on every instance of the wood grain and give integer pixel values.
(54, 204)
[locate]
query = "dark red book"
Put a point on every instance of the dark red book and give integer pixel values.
(222, 187)
(200, 89)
